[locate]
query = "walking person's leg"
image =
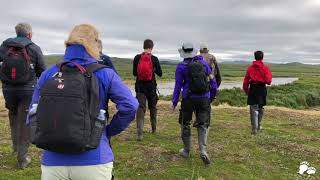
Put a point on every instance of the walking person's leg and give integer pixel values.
(11, 103)
(254, 113)
(23, 133)
(203, 110)
(260, 116)
(186, 117)
(140, 115)
(152, 105)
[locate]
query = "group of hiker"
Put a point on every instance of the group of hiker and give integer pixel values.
(64, 109)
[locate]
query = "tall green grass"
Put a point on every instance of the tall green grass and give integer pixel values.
(303, 93)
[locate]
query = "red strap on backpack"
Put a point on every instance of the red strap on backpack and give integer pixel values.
(145, 67)
(81, 68)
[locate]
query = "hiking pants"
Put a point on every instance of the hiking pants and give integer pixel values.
(17, 102)
(152, 105)
(92, 172)
(202, 109)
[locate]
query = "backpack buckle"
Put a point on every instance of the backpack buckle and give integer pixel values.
(86, 74)
(60, 74)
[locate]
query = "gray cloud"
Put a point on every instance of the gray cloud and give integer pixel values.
(286, 30)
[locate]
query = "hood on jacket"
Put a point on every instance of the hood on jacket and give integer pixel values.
(78, 54)
(18, 42)
(257, 64)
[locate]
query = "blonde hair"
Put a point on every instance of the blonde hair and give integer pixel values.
(87, 36)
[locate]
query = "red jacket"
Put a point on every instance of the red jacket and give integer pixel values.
(257, 72)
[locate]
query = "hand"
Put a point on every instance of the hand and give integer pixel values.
(173, 108)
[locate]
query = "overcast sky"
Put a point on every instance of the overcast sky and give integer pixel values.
(286, 30)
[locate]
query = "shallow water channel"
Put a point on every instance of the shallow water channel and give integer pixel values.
(166, 88)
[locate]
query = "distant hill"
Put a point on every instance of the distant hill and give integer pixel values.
(54, 58)
(235, 62)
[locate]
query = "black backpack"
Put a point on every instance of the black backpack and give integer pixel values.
(66, 118)
(17, 67)
(199, 83)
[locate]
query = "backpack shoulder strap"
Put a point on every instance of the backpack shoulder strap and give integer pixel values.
(91, 68)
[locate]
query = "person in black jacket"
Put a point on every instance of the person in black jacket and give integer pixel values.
(146, 90)
(18, 96)
(104, 59)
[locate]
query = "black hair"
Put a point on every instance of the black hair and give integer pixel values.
(148, 44)
(258, 55)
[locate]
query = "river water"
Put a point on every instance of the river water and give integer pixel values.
(166, 88)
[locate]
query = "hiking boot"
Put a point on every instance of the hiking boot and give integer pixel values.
(260, 116)
(205, 159)
(184, 153)
(153, 120)
(254, 113)
(25, 162)
(186, 139)
(254, 132)
(139, 138)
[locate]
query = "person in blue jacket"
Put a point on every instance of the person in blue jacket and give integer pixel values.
(192, 102)
(96, 164)
(105, 59)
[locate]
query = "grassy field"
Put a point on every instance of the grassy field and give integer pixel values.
(288, 138)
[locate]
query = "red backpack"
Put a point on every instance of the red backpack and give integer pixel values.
(145, 67)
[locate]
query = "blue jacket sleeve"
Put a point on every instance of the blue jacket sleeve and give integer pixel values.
(213, 90)
(177, 86)
(126, 105)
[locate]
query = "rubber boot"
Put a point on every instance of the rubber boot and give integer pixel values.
(186, 139)
(140, 124)
(254, 119)
(260, 116)
(153, 119)
(202, 140)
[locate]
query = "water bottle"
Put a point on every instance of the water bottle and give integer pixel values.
(33, 109)
(31, 66)
(101, 118)
(99, 124)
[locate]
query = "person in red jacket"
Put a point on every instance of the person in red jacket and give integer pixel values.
(254, 85)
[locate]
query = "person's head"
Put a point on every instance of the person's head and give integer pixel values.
(187, 50)
(24, 30)
(87, 36)
(148, 45)
(258, 55)
(204, 48)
